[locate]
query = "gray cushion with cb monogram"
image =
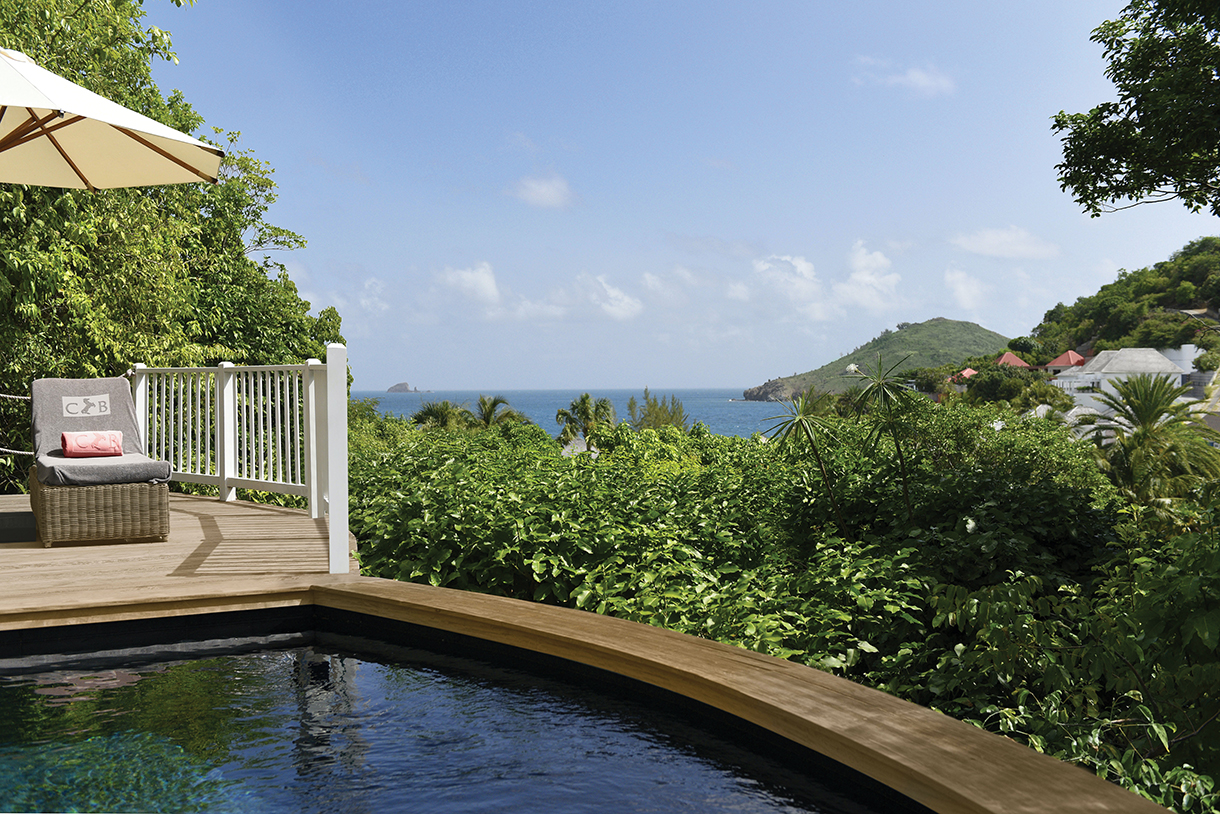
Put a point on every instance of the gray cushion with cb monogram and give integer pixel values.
(89, 405)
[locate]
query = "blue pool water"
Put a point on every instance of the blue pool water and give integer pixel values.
(722, 410)
(306, 730)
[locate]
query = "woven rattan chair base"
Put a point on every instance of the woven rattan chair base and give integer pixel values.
(113, 511)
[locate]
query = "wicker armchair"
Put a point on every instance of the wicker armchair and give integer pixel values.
(111, 498)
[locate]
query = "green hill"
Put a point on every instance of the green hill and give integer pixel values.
(933, 343)
(1141, 309)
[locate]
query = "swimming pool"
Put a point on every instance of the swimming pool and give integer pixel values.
(321, 728)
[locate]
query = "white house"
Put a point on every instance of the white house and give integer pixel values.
(1108, 366)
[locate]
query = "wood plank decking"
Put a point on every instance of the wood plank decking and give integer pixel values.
(238, 556)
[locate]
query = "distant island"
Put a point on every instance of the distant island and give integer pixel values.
(403, 387)
(925, 344)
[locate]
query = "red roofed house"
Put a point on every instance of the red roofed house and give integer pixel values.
(958, 380)
(1010, 358)
(1069, 358)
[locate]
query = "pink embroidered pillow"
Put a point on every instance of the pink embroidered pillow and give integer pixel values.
(92, 444)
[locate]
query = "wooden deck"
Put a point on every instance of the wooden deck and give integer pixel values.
(239, 556)
(207, 538)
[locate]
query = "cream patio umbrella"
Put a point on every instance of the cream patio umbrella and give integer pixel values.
(54, 133)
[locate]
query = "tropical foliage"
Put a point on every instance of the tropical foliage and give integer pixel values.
(1158, 141)
(92, 282)
(655, 413)
(1156, 448)
(582, 418)
(1016, 591)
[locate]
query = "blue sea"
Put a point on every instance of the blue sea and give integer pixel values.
(714, 407)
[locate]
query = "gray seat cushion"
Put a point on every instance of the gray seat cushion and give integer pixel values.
(89, 405)
(56, 470)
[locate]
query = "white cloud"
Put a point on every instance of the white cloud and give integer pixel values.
(372, 297)
(969, 292)
(615, 302)
(868, 286)
(478, 283)
(1011, 243)
(535, 311)
(545, 192)
(738, 291)
(686, 275)
(926, 81)
(929, 81)
(793, 277)
(674, 289)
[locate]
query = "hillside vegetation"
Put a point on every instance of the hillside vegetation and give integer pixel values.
(928, 344)
(1141, 308)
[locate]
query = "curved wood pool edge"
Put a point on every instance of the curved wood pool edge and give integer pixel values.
(945, 764)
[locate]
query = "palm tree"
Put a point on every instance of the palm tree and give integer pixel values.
(486, 415)
(583, 415)
(806, 420)
(442, 415)
(889, 399)
(1155, 447)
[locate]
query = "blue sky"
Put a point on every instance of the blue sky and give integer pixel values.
(514, 195)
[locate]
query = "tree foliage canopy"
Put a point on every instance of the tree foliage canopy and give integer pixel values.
(655, 413)
(582, 417)
(177, 275)
(1160, 140)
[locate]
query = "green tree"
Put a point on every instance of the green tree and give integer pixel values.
(582, 417)
(93, 282)
(656, 413)
(1161, 139)
(1041, 392)
(1154, 446)
(999, 383)
(806, 424)
(889, 398)
(489, 413)
(443, 415)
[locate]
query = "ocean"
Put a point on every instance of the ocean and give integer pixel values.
(714, 407)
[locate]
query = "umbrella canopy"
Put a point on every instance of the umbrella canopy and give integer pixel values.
(54, 133)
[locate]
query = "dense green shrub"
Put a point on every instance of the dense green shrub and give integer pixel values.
(1010, 596)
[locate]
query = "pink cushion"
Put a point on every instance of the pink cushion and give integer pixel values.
(92, 444)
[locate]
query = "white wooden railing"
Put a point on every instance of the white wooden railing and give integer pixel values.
(277, 428)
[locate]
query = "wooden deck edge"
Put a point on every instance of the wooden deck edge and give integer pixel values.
(947, 765)
(193, 597)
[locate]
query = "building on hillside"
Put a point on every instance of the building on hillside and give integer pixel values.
(1011, 359)
(1098, 374)
(1065, 361)
(958, 380)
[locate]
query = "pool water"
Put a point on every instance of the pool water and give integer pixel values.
(322, 730)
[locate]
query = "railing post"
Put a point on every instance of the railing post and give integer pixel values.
(315, 392)
(336, 455)
(226, 430)
(139, 387)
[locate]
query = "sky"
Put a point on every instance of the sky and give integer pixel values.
(533, 195)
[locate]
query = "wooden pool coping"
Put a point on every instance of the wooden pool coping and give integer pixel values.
(945, 764)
